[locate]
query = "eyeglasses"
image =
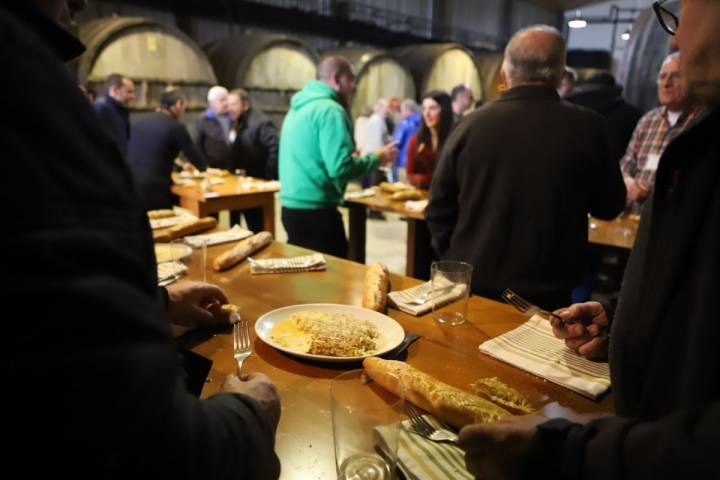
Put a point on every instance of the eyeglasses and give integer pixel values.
(668, 20)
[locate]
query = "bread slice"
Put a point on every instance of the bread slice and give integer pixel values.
(376, 287)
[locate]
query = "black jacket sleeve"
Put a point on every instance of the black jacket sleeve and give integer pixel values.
(186, 146)
(268, 138)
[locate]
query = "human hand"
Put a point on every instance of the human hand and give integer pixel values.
(635, 191)
(388, 153)
(258, 387)
(585, 329)
(197, 304)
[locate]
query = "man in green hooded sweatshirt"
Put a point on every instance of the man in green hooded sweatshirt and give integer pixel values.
(317, 159)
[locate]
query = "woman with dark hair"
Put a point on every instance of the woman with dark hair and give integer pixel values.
(425, 145)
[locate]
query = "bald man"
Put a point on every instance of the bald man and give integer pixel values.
(517, 179)
(317, 159)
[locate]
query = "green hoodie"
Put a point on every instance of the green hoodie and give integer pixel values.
(316, 150)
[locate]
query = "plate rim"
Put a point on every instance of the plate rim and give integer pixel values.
(324, 358)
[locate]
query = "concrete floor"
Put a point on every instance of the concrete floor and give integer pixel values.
(386, 239)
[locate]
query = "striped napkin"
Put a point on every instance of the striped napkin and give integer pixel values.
(533, 347)
(234, 234)
(169, 272)
(421, 459)
(305, 263)
(402, 299)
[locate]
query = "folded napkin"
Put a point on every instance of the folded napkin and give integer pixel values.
(368, 192)
(403, 298)
(416, 205)
(235, 233)
(181, 216)
(305, 263)
(533, 347)
(169, 272)
(422, 459)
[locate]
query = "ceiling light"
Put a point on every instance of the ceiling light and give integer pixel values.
(578, 21)
(626, 35)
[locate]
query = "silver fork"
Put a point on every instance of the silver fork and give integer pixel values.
(429, 295)
(424, 428)
(523, 306)
(241, 343)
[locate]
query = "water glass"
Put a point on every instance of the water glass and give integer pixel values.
(450, 277)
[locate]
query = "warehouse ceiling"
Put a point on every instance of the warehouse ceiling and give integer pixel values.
(563, 5)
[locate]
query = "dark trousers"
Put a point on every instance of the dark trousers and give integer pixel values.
(317, 229)
(253, 218)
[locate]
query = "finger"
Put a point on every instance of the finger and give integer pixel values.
(202, 316)
(574, 344)
(474, 438)
(214, 293)
(595, 348)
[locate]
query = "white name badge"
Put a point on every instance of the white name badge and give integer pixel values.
(651, 163)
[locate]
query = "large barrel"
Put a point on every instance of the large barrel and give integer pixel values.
(153, 54)
(489, 65)
(440, 66)
(379, 75)
(270, 67)
(647, 48)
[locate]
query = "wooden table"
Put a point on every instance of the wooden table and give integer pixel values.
(618, 233)
(418, 236)
(304, 436)
(234, 194)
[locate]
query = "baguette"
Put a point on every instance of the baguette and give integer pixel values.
(164, 213)
(449, 404)
(241, 250)
(497, 392)
(394, 187)
(184, 229)
(407, 195)
(376, 287)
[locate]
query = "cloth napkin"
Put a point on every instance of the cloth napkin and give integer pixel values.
(416, 205)
(422, 459)
(533, 347)
(234, 234)
(305, 263)
(169, 272)
(401, 299)
(368, 192)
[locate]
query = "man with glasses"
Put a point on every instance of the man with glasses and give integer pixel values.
(655, 130)
(664, 355)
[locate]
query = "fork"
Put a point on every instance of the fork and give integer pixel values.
(523, 306)
(241, 343)
(422, 427)
(427, 296)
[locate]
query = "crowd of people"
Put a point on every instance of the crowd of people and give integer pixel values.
(510, 186)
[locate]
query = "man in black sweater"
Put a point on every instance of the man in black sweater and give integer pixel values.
(113, 109)
(156, 140)
(97, 380)
(517, 179)
(664, 356)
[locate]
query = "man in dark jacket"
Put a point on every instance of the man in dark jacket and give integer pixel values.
(212, 130)
(113, 109)
(664, 356)
(517, 179)
(156, 140)
(254, 148)
(101, 390)
(602, 94)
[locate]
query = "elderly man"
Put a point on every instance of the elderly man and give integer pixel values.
(462, 100)
(212, 130)
(317, 161)
(105, 386)
(411, 118)
(655, 130)
(517, 179)
(113, 109)
(254, 148)
(664, 356)
(156, 140)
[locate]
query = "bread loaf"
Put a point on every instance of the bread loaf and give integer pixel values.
(449, 404)
(407, 195)
(164, 213)
(376, 287)
(179, 231)
(241, 250)
(394, 187)
(233, 312)
(498, 392)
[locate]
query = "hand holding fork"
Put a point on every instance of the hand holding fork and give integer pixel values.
(242, 347)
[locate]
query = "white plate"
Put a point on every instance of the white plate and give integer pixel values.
(391, 333)
(167, 252)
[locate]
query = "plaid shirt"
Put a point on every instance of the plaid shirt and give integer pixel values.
(652, 134)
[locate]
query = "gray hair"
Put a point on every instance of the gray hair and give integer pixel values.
(409, 104)
(216, 92)
(672, 56)
(530, 61)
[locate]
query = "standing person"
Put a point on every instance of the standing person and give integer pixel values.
(113, 109)
(254, 148)
(317, 161)
(517, 179)
(462, 100)
(406, 128)
(119, 405)
(567, 82)
(655, 130)
(425, 146)
(376, 135)
(212, 130)
(157, 139)
(664, 356)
